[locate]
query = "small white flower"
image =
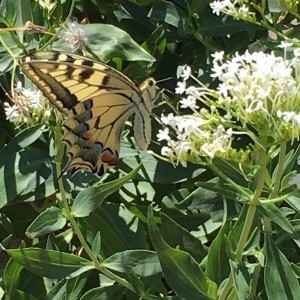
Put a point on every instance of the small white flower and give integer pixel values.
(166, 151)
(218, 6)
(19, 87)
(289, 116)
(244, 10)
(285, 45)
(188, 102)
(218, 56)
(163, 135)
(167, 119)
(29, 106)
(180, 87)
(186, 73)
(12, 112)
(296, 52)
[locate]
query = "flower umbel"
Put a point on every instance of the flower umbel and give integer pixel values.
(238, 9)
(29, 107)
(258, 95)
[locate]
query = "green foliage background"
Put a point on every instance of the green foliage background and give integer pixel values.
(146, 230)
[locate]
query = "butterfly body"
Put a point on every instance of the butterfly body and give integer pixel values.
(97, 101)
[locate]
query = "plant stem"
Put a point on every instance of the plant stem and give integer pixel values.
(76, 228)
(253, 203)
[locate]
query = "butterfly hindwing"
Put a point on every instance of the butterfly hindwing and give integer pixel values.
(97, 100)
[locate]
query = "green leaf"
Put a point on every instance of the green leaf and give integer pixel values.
(280, 280)
(11, 278)
(48, 221)
(181, 271)
(23, 139)
(50, 263)
(167, 12)
(178, 237)
(21, 173)
(90, 198)
(104, 293)
(120, 229)
(296, 269)
(275, 6)
(20, 295)
(275, 214)
(96, 246)
(58, 291)
(155, 170)
(217, 267)
(241, 279)
(139, 262)
(155, 45)
(107, 41)
(203, 212)
(137, 284)
(224, 189)
(10, 12)
(75, 286)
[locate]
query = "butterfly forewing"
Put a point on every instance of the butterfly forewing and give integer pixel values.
(97, 100)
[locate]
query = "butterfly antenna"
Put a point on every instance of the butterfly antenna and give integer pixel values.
(163, 80)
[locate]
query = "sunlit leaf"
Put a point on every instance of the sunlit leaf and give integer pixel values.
(280, 280)
(139, 262)
(48, 221)
(50, 263)
(90, 198)
(181, 271)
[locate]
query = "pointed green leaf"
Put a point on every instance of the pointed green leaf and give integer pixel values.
(96, 246)
(58, 292)
(22, 173)
(107, 41)
(217, 267)
(50, 263)
(139, 262)
(280, 280)
(90, 198)
(75, 286)
(23, 139)
(180, 269)
(11, 277)
(177, 236)
(104, 293)
(48, 221)
(241, 277)
(275, 214)
(21, 295)
(120, 229)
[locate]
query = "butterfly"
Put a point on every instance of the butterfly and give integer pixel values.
(97, 100)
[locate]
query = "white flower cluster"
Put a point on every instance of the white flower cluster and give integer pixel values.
(235, 8)
(258, 95)
(29, 106)
(258, 89)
